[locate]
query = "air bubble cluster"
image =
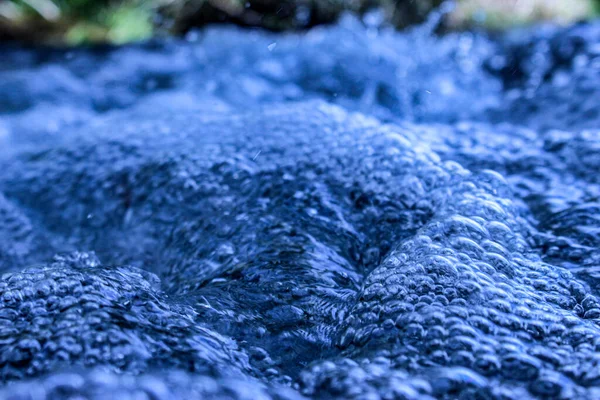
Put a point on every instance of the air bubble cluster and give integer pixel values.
(353, 213)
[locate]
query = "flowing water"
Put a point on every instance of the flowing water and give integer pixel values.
(349, 213)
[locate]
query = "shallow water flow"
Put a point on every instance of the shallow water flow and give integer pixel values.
(351, 212)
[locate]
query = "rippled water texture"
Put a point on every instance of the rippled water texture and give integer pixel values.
(350, 213)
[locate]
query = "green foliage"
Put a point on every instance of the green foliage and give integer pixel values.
(82, 21)
(116, 24)
(129, 24)
(87, 9)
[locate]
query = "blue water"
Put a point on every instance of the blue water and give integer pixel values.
(348, 213)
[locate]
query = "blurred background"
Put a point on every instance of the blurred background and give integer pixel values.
(73, 22)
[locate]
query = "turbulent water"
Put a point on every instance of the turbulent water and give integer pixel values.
(349, 213)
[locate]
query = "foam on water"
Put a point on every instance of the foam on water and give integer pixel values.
(346, 213)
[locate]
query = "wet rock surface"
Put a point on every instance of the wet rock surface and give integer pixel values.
(347, 213)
